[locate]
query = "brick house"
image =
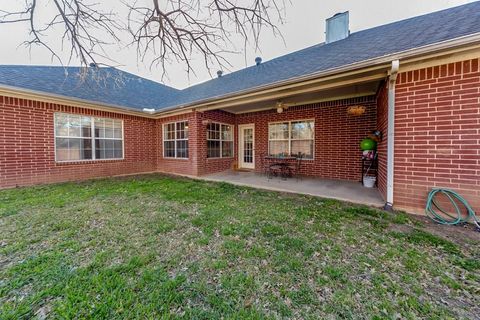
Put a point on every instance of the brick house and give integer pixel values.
(418, 81)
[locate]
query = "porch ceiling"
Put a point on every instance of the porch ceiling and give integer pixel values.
(350, 91)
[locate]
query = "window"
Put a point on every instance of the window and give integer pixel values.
(79, 137)
(219, 140)
(287, 138)
(175, 140)
(108, 139)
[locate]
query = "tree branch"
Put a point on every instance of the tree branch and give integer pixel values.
(176, 31)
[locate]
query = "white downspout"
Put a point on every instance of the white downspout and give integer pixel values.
(391, 132)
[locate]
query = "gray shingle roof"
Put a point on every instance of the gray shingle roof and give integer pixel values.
(359, 46)
(136, 92)
(105, 85)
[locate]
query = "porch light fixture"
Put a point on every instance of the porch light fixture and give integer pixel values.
(356, 110)
(280, 107)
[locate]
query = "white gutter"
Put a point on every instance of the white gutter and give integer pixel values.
(6, 89)
(391, 132)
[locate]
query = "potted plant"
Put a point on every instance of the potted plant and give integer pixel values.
(369, 147)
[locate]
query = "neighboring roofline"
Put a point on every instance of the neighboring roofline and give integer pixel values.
(24, 93)
(406, 54)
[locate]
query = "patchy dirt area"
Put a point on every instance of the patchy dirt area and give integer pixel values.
(465, 234)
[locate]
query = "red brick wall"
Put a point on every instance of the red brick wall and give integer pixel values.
(211, 165)
(197, 163)
(27, 154)
(337, 135)
(382, 125)
(437, 142)
(180, 166)
(337, 154)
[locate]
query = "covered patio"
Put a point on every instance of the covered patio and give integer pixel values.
(334, 189)
(313, 120)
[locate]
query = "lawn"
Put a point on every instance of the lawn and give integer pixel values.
(160, 247)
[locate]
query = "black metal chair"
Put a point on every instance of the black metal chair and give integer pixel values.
(294, 170)
(276, 170)
(265, 164)
(269, 168)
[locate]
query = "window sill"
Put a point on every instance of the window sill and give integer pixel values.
(220, 158)
(170, 158)
(67, 162)
(303, 159)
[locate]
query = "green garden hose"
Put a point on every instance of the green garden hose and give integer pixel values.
(439, 215)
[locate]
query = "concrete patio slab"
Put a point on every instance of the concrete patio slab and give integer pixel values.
(334, 189)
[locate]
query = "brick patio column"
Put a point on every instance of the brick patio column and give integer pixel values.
(197, 143)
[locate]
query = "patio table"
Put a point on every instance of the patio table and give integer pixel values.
(281, 164)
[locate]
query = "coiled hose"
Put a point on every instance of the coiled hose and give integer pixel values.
(439, 215)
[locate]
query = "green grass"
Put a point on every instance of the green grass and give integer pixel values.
(158, 247)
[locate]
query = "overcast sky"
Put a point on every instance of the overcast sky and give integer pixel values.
(304, 26)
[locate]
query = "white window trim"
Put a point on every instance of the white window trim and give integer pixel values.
(92, 137)
(289, 139)
(175, 140)
(221, 140)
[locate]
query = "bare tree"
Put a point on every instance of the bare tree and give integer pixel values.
(162, 31)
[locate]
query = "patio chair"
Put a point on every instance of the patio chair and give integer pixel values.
(264, 164)
(277, 170)
(294, 170)
(269, 168)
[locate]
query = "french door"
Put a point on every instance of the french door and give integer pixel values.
(246, 146)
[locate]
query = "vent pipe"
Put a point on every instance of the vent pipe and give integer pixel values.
(219, 73)
(258, 60)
